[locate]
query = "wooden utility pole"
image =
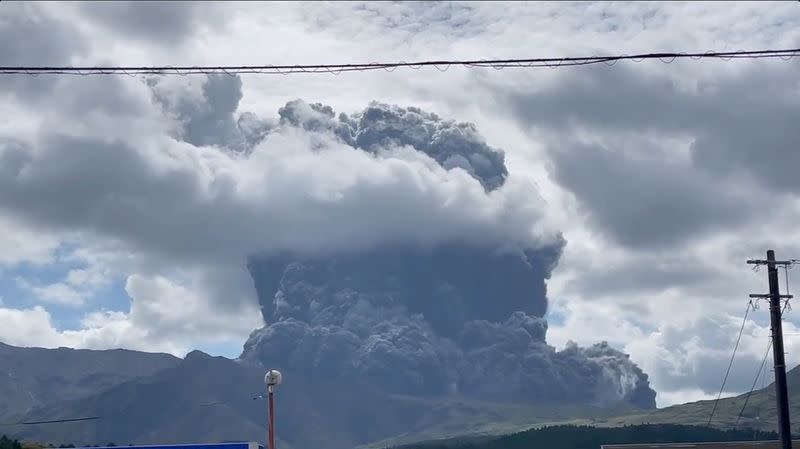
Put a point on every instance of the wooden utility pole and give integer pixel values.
(781, 392)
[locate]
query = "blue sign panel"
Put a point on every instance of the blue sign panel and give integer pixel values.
(246, 445)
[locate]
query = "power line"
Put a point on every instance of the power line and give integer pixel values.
(730, 364)
(442, 65)
(123, 414)
(755, 381)
(52, 421)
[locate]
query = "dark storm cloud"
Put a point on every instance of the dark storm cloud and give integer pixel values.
(741, 128)
(645, 202)
(159, 22)
(32, 35)
(125, 178)
(208, 118)
(404, 254)
(648, 274)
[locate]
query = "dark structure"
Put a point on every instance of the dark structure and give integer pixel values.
(717, 445)
(775, 313)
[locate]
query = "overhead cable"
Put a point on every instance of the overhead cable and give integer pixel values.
(442, 65)
(730, 364)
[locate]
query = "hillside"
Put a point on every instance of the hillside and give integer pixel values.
(759, 415)
(587, 437)
(760, 412)
(464, 418)
(37, 377)
(209, 399)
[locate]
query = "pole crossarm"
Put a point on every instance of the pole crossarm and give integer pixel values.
(767, 262)
(767, 295)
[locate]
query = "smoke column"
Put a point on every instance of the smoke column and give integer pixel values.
(426, 320)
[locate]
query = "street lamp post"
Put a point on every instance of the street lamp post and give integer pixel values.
(272, 379)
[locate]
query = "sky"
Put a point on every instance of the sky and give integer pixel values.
(125, 226)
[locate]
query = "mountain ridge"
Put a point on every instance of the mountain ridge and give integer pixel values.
(758, 411)
(204, 398)
(30, 378)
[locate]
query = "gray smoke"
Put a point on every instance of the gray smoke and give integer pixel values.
(431, 322)
(425, 321)
(380, 126)
(405, 313)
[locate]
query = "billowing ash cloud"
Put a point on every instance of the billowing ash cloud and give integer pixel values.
(435, 321)
(432, 320)
(388, 246)
(381, 126)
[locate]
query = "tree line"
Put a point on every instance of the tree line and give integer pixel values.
(10, 443)
(588, 437)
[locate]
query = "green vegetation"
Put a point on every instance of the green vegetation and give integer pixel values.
(588, 437)
(8, 443)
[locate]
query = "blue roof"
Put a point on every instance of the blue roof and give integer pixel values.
(242, 445)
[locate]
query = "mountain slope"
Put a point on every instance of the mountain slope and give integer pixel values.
(37, 377)
(587, 437)
(209, 399)
(760, 412)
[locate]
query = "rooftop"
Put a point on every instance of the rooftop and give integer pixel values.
(718, 445)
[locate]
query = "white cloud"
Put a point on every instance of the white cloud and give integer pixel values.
(87, 277)
(669, 398)
(605, 291)
(77, 286)
(163, 317)
(144, 202)
(20, 243)
(58, 293)
(170, 311)
(28, 327)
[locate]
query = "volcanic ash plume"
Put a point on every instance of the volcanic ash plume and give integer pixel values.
(431, 319)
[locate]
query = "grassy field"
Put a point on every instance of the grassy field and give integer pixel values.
(467, 418)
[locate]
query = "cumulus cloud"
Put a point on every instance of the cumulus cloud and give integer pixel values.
(41, 38)
(380, 126)
(164, 316)
(602, 275)
(155, 22)
(20, 244)
(419, 321)
(78, 285)
(413, 242)
(58, 293)
(28, 327)
(49, 40)
(305, 188)
(647, 202)
(671, 171)
(204, 109)
(702, 350)
(657, 160)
